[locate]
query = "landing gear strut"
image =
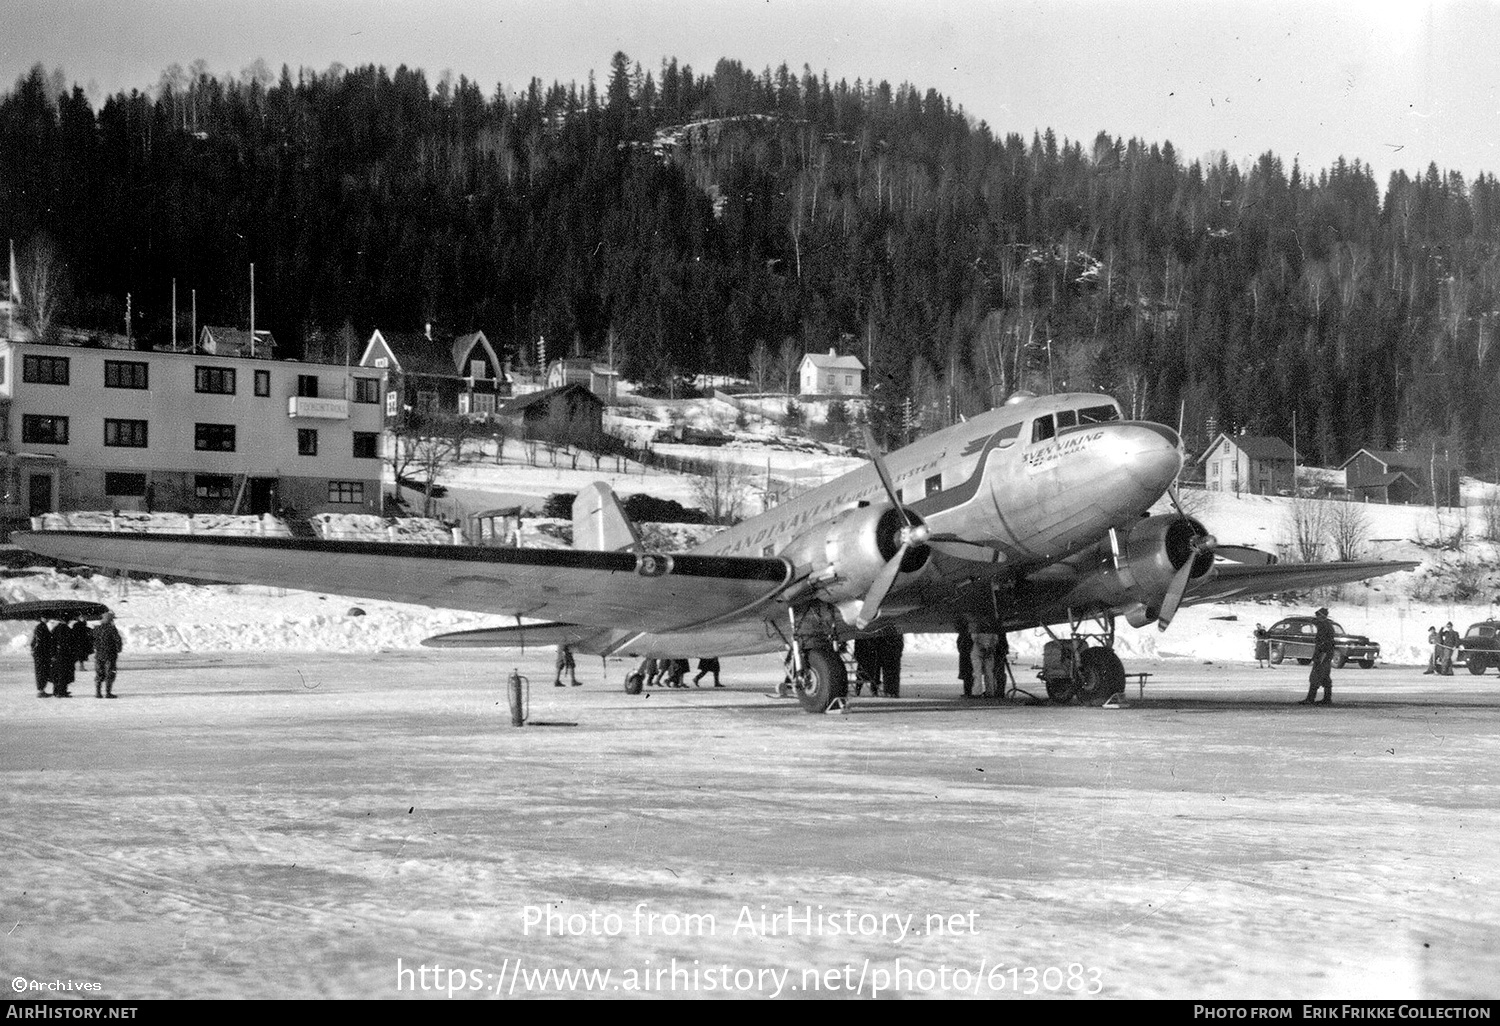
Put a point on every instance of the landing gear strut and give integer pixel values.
(819, 678)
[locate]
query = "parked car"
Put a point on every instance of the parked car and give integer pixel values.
(1293, 638)
(1479, 648)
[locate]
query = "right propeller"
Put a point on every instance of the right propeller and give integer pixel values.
(1199, 544)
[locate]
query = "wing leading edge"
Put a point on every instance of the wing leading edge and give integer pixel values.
(638, 592)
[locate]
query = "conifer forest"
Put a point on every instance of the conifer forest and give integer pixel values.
(685, 223)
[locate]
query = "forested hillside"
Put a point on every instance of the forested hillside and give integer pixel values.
(712, 222)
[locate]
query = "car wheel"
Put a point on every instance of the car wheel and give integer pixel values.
(1367, 664)
(1339, 659)
(1277, 653)
(1476, 666)
(634, 682)
(1303, 662)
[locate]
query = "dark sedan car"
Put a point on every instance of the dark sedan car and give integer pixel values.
(1293, 638)
(1479, 648)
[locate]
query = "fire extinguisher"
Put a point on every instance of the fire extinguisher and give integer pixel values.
(518, 691)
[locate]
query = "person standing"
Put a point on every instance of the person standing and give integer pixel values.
(867, 665)
(965, 642)
(41, 656)
(1448, 644)
(706, 666)
(1002, 662)
(83, 641)
(1262, 647)
(890, 645)
(564, 661)
(1321, 675)
(107, 646)
(1432, 660)
(986, 643)
(62, 661)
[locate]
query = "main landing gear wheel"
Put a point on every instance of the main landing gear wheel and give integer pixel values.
(1102, 676)
(823, 680)
(634, 682)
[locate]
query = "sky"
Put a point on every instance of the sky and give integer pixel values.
(1397, 84)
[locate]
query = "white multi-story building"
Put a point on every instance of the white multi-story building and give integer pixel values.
(99, 428)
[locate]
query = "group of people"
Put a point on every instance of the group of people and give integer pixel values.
(1444, 643)
(671, 673)
(982, 659)
(877, 663)
(59, 649)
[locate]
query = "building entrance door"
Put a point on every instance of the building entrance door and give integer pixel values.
(39, 497)
(262, 495)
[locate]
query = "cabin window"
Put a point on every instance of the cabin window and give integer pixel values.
(1098, 414)
(1042, 429)
(934, 484)
(1066, 418)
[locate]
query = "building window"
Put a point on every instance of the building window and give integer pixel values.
(213, 486)
(216, 380)
(130, 434)
(262, 382)
(213, 437)
(346, 491)
(392, 398)
(367, 445)
(476, 369)
(934, 484)
(307, 386)
(367, 390)
(427, 402)
(463, 402)
(307, 441)
(125, 374)
(44, 370)
(128, 485)
(382, 361)
(483, 402)
(44, 430)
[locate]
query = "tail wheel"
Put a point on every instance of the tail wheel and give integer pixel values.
(634, 682)
(1102, 676)
(1277, 653)
(824, 679)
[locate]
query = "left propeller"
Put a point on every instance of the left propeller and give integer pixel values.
(912, 535)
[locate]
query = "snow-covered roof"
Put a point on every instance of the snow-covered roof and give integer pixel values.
(832, 361)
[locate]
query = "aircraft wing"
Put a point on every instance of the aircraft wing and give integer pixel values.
(1231, 580)
(637, 592)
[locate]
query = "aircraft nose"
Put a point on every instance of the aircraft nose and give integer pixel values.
(1149, 455)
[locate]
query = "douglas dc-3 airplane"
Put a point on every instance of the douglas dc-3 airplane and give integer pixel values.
(1030, 515)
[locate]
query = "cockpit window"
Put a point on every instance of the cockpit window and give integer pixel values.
(1066, 418)
(1042, 429)
(1098, 415)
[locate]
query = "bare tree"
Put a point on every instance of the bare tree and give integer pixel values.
(761, 365)
(722, 492)
(787, 361)
(1348, 529)
(422, 448)
(1306, 528)
(43, 285)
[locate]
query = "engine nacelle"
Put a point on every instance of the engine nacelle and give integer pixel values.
(1133, 569)
(843, 557)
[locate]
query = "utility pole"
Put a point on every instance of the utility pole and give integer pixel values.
(252, 309)
(174, 315)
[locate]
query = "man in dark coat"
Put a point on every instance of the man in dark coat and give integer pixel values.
(83, 641)
(41, 656)
(965, 642)
(62, 661)
(107, 646)
(1321, 675)
(890, 646)
(867, 664)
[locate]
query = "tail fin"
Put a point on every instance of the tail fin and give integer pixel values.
(599, 524)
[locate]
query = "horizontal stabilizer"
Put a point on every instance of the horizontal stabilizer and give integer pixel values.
(520, 636)
(54, 609)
